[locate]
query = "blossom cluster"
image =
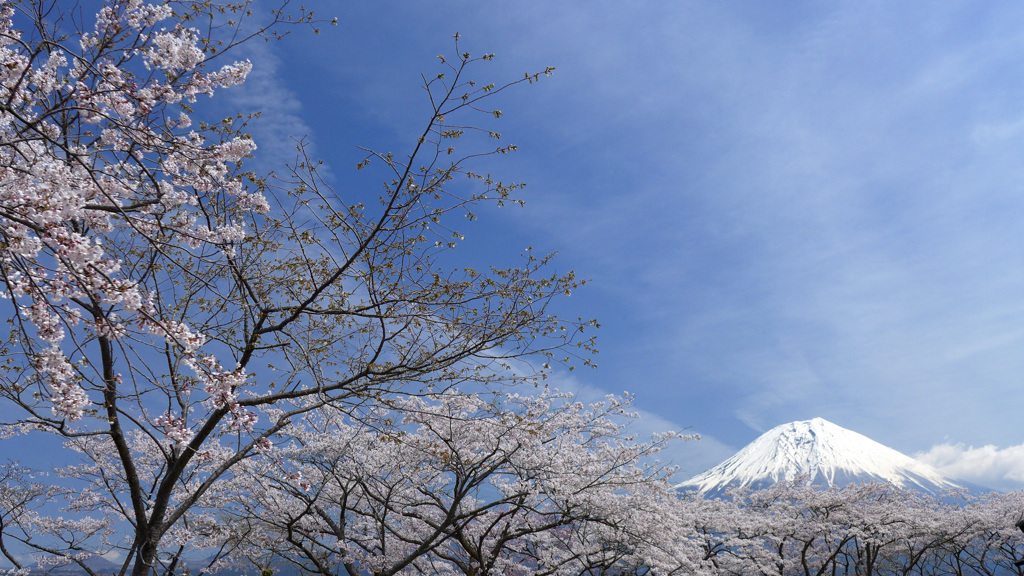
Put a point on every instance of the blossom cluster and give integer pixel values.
(69, 192)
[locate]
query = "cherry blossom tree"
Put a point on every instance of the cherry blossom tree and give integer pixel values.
(172, 315)
(463, 484)
(984, 538)
(796, 528)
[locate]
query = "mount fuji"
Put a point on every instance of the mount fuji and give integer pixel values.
(825, 454)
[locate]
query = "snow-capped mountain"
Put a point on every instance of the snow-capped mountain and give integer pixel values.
(823, 452)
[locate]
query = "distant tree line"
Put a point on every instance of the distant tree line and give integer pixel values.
(868, 529)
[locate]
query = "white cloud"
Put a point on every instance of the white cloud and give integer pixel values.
(112, 556)
(1001, 468)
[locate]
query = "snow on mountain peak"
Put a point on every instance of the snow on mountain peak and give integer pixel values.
(823, 452)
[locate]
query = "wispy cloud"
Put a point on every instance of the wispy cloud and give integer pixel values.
(809, 214)
(281, 123)
(786, 213)
(691, 457)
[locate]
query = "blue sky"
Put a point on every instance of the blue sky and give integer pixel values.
(786, 212)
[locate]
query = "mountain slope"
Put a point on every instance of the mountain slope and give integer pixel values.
(823, 452)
